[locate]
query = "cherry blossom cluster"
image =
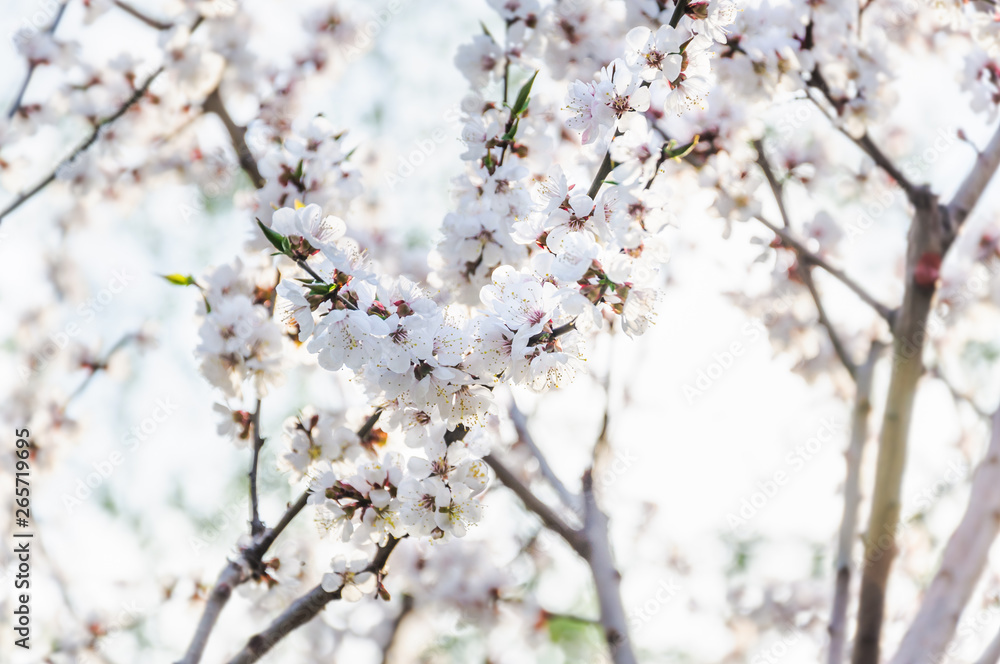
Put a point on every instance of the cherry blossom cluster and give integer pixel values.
(239, 341)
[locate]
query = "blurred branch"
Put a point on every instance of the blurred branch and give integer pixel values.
(139, 93)
(808, 256)
(607, 578)
(551, 520)
(524, 436)
(974, 184)
(804, 268)
(852, 501)
(148, 20)
(16, 104)
(303, 610)
(237, 135)
(865, 141)
(405, 610)
(99, 365)
(957, 394)
(962, 563)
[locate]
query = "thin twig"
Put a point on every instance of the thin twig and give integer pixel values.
(865, 141)
(99, 365)
(256, 527)
(974, 184)
(148, 20)
(806, 255)
(16, 105)
(804, 268)
(303, 610)
(524, 436)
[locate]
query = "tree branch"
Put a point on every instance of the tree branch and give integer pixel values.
(804, 268)
(962, 563)
(551, 520)
(239, 571)
(975, 183)
(852, 500)
(927, 236)
(148, 20)
(808, 256)
(607, 579)
(865, 141)
(256, 527)
(302, 611)
(524, 436)
(237, 135)
(16, 105)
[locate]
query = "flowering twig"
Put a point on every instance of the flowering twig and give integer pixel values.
(303, 610)
(16, 104)
(606, 164)
(852, 500)
(238, 571)
(962, 563)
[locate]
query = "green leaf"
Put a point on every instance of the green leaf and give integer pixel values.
(180, 279)
(672, 151)
(521, 104)
(279, 241)
(512, 132)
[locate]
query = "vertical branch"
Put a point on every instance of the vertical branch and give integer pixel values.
(256, 527)
(962, 563)
(237, 135)
(927, 236)
(607, 579)
(852, 500)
